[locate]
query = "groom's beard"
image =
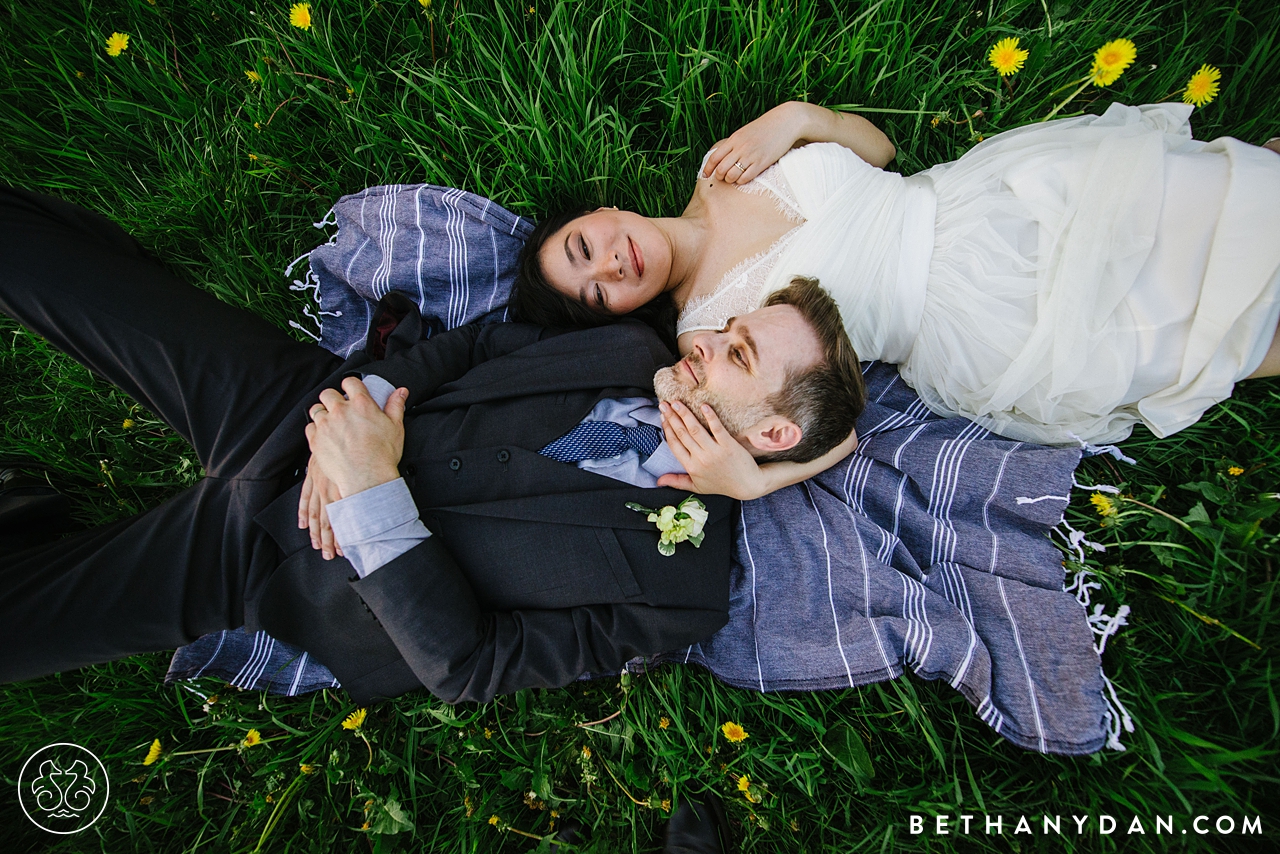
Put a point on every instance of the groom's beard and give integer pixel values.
(736, 417)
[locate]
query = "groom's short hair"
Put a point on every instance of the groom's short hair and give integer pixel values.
(825, 399)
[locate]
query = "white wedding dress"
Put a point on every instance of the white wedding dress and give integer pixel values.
(1059, 282)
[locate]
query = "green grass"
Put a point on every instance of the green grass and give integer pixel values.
(614, 101)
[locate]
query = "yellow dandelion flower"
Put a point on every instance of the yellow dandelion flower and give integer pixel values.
(355, 720)
(666, 805)
(80, 74)
(734, 732)
(251, 738)
(153, 754)
(117, 43)
(127, 424)
(488, 733)
(493, 819)
(306, 769)
(271, 799)
(1203, 86)
(364, 826)
(253, 156)
(1104, 505)
(664, 722)
(300, 15)
(254, 77)
(1111, 60)
(1006, 58)
(744, 783)
(1235, 471)
(586, 753)
(426, 4)
(257, 125)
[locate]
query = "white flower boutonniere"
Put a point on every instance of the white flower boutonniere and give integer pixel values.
(677, 524)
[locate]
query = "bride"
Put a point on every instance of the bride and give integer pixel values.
(1058, 283)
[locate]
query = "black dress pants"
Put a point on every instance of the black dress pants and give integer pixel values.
(235, 386)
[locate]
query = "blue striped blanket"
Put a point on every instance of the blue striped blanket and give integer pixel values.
(928, 548)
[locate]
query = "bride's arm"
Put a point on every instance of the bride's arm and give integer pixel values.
(717, 463)
(758, 144)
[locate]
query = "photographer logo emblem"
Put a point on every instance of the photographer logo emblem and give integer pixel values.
(63, 788)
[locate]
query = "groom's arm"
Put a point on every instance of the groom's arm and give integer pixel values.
(421, 370)
(461, 652)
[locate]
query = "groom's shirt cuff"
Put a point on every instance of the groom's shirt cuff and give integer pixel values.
(376, 526)
(379, 389)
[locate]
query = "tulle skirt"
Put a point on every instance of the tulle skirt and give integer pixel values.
(1091, 273)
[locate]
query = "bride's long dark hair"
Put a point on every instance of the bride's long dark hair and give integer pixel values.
(534, 300)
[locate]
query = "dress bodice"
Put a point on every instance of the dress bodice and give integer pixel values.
(864, 233)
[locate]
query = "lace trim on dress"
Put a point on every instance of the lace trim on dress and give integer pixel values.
(741, 288)
(739, 291)
(774, 182)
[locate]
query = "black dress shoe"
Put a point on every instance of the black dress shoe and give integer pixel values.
(31, 511)
(699, 828)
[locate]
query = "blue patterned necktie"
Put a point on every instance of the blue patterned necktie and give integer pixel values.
(599, 440)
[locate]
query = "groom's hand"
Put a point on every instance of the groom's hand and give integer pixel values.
(357, 444)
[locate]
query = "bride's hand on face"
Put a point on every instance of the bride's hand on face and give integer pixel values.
(754, 147)
(714, 461)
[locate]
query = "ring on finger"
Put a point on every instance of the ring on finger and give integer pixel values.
(320, 407)
(738, 163)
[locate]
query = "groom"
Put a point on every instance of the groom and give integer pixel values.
(513, 563)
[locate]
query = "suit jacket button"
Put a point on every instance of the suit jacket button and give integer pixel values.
(504, 456)
(455, 464)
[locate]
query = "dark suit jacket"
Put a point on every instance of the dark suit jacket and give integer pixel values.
(535, 572)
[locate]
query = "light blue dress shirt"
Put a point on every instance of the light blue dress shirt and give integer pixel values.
(378, 525)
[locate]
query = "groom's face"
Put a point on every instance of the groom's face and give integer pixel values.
(737, 369)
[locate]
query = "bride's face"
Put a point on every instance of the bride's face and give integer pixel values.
(611, 260)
